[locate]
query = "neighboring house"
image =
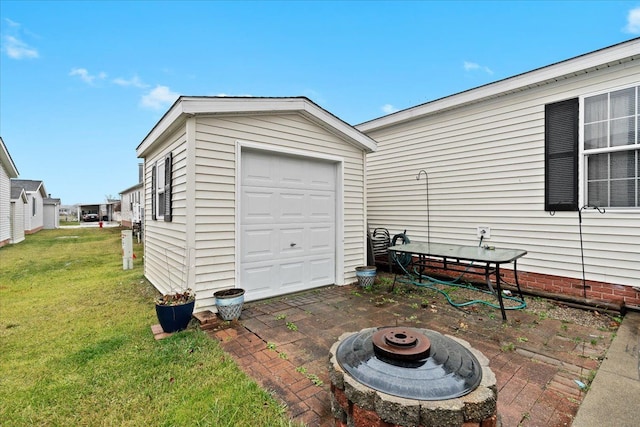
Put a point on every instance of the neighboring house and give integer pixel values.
(131, 201)
(522, 156)
(265, 194)
(8, 170)
(19, 204)
(131, 205)
(51, 213)
(36, 193)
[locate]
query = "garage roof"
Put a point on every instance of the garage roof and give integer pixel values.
(187, 106)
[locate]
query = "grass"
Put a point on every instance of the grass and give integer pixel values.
(77, 347)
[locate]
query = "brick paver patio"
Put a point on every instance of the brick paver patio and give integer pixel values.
(283, 344)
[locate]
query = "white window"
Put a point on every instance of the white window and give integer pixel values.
(160, 181)
(611, 149)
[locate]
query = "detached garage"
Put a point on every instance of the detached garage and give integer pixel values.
(266, 194)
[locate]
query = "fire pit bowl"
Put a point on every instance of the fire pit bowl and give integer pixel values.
(404, 376)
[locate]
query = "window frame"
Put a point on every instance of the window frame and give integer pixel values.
(162, 188)
(584, 153)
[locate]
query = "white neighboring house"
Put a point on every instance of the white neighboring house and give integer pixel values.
(131, 201)
(34, 214)
(522, 156)
(131, 205)
(266, 194)
(8, 170)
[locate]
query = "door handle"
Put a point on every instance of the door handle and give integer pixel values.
(292, 244)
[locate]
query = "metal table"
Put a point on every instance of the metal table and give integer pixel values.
(452, 256)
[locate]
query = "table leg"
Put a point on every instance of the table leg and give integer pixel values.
(515, 275)
(499, 289)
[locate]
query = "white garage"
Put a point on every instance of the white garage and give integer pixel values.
(266, 194)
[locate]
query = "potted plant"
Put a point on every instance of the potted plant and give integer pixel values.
(229, 303)
(174, 310)
(366, 275)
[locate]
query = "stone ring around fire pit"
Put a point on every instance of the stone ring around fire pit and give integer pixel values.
(401, 376)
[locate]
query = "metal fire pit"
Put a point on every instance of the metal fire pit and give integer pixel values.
(410, 363)
(408, 376)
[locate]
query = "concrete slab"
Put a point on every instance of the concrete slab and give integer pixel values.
(614, 396)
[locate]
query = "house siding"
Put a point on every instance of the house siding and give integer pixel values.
(128, 204)
(5, 206)
(486, 167)
(166, 248)
(215, 193)
(34, 223)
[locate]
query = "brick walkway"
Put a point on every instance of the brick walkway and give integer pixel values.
(283, 344)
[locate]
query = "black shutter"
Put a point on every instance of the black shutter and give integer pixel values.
(167, 187)
(561, 156)
(153, 193)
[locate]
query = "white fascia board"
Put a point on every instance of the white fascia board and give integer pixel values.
(42, 190)
(188, 106)
(7, 161)
(623, 52)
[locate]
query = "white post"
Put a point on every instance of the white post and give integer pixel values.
(127, 250)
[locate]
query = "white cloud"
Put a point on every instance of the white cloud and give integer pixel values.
(17, 49)
(472, 66)
(158, 98)
(133, 81)
(84, 75)
(388, 109)
(633, 21)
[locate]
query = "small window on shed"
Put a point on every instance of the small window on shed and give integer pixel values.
(161, 182)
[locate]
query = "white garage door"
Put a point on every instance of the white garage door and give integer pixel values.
(287, 224)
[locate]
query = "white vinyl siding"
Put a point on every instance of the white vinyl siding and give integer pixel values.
(5, 205)
(165, 242)
(34, 215)
(485, 163)
(215, 204)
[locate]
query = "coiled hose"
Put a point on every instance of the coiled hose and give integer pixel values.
(404, 259)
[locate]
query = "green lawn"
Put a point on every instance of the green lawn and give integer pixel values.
(76, 346)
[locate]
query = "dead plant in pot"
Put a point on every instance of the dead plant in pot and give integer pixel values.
(175, 308)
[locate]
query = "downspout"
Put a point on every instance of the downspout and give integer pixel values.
(190, 208)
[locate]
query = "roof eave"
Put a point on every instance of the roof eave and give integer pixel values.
(7, 161)
(620, 53)
(189, 106)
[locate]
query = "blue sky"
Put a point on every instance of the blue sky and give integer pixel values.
(83, 82)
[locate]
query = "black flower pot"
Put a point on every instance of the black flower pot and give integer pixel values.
(174, 318)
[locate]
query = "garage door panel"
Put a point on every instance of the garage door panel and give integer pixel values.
(292, 172)
(258, 170)
(322, 176)
(321, 271)
(322, 238)
(258, 244)
(292, 242)
(292, 275)
(291, 206)
(257, 206)
(257, 280)
(322, 207)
